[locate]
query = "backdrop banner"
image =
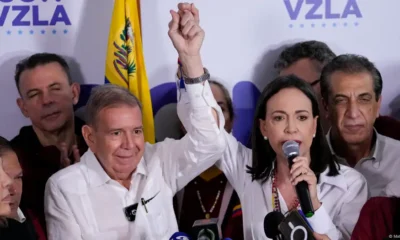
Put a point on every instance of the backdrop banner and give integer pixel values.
(243, 39)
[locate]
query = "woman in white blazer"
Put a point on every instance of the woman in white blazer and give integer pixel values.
(288, 110)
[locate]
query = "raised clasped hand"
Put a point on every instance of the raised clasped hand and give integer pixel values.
(184, 30)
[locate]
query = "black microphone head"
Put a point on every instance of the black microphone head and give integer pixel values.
(291, 148)
(206, 229)
(271, 223)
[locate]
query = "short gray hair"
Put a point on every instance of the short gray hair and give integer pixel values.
(108, 95)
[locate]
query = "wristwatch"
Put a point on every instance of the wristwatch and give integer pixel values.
(204, 77)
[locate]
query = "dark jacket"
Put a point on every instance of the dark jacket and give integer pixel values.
(15, 230)
(38, 164)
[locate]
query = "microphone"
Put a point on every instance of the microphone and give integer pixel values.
(179, 236)
(206, 229)
(295, 227)
(291, 151)
(271, 225)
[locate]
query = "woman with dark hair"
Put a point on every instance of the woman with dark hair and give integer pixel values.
(288, 110)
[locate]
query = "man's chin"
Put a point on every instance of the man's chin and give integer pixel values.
(53, 126)
(14, 208)
(14, 213)
(352, 140)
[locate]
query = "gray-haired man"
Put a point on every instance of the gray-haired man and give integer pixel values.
(123, 188)
(306, 60)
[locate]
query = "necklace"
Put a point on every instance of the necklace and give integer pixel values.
(208, 214)
(275, 196)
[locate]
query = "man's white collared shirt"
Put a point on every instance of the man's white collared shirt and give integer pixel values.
(381, 169)
(83, 202)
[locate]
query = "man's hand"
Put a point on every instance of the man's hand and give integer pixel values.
(184, 7)
(64, 160)
(187, 37)
(184, 30)
(321, 236)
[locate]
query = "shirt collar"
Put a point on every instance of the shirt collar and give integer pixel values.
(374, 150)
(338, 180)
(20, 216)
(96, 174)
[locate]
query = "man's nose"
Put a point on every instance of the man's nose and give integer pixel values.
(353, 110)
(128, 142)
(47, 99)
(12, 189)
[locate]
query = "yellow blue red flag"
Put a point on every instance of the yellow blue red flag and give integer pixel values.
(125, 61)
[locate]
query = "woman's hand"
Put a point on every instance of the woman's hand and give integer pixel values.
(301, 171)
(318, 236)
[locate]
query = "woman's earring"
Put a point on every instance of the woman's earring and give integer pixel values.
(313, 135)
(265, 138)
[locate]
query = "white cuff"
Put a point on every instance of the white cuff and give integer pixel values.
(321, 222)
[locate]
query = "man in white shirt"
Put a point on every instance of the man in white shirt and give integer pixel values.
(351, 87)
(123, 188)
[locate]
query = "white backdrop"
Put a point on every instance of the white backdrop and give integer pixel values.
(243, 38)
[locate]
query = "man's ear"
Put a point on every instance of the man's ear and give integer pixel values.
(88, 135)
(21, 105)
(76, 91)
(325, 106)
(379, 106)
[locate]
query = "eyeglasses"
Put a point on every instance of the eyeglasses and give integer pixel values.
(315, 82)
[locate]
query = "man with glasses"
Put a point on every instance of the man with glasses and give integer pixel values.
(306, 60)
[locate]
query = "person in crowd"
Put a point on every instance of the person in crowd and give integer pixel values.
(54, 140)
(5, 199)
(123, 188)
(351, 89)
(210, 195)
(15, 225)
(13, 169)
(379, 219)
(288, 110)
(5, 182)
(306, 60)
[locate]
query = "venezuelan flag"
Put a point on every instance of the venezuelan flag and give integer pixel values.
(125, 61)
(237, 211)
